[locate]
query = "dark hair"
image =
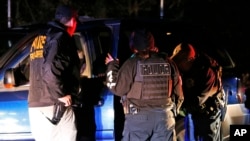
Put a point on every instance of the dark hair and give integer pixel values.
(141, 40)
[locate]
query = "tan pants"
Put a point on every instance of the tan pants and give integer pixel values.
(43, 130)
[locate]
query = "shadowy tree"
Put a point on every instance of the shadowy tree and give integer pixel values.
(30, 11)
(134, 8)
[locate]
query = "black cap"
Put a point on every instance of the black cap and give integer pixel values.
(141, 39)
(65, 11)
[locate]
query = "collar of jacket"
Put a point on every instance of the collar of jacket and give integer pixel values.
(57, 25)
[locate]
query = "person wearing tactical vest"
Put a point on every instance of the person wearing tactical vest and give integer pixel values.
(204, 97)
(149, 85)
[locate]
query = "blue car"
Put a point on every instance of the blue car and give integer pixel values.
(94, 39)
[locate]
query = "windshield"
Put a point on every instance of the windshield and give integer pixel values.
(7, 40)
(15, 49)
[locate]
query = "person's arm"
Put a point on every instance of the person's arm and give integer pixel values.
(177, 87)
(65, 68)
(118, 80)
(207, 85)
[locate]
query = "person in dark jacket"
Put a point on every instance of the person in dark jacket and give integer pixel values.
(202, 88)
(54, 79)
(150, 88)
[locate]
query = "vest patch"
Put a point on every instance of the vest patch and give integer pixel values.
(36, 50)
(154, 69)
(154, 77)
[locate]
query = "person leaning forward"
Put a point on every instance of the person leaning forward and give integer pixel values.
(150, 87)
(54, 79)
(204, 97)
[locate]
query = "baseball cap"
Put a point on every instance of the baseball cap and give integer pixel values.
(141, 39)
(65, 11)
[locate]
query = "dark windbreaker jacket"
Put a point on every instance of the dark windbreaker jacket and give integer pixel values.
(54, 66)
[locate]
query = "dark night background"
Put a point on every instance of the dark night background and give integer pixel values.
(226, 21)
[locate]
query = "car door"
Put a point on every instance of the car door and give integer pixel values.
(93, 45)
(14, 119)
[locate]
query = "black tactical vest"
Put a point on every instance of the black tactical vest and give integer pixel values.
(153, 74)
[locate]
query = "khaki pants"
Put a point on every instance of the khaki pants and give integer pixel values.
(43, 130)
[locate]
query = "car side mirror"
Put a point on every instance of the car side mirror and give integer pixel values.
(14, 77)
(9, 78)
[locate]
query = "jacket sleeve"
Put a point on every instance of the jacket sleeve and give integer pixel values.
(65, 68)
(119, 81)
(177, 90)
(208, 85)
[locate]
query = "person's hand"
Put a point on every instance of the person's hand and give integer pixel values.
(181, 111)
(108, 59)
(66, 99)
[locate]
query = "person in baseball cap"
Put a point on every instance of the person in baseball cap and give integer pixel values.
(148, 84)
(68, 16)
(51, 95)
(64, 13)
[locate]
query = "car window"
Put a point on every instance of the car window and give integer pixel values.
(8, 39)
(17, 49)
(6, 43)
(10, 36)
(99, 42)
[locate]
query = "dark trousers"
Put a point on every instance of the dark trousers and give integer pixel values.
(85, 121)
(203, 128)
(153, 125)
